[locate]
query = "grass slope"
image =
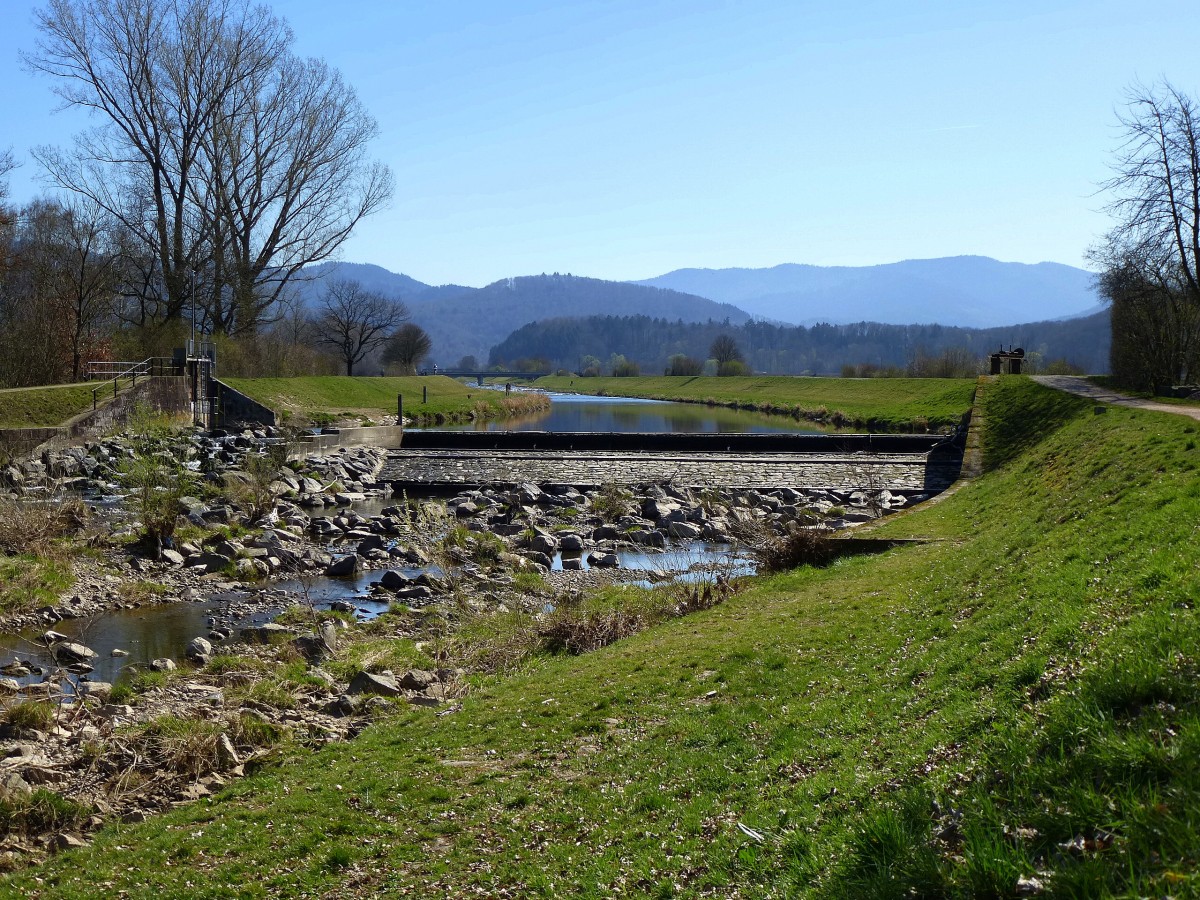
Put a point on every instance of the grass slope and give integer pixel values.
(880, 404)
(43, 407)
(341, 395)
(1016, 699)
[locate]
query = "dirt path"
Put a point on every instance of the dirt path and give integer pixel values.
(1074, 384)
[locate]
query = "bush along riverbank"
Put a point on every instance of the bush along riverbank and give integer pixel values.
(1007, 708)
(465, 588)
(911, 405)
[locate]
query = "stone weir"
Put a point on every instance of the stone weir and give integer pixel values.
(445, 460)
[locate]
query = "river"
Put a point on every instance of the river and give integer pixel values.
(163, 630)
(587, 412)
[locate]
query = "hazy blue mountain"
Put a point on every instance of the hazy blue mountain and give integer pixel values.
(473, 322)
(377, 278)
(462, 320)
(973, 291)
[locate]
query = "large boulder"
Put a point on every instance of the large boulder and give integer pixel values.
(571, 543)
(343, 566)
(70, 652)
(369, 543)
(199, 650)
(684, 530)
(543, 543)
(384, 684)
(393, 581)
(655, 509)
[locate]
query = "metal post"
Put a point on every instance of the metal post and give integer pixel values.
(424, 394)
(192, 345)
(399, 409)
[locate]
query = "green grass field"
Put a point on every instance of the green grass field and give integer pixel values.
(1018, 698)
(877, 404)
(43, 407)
(301, 399)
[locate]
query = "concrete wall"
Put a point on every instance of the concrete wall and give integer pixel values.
(238, 409)
(671, 442)
(388, 436)
(161, 395)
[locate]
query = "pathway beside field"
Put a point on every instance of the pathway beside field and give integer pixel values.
(1074, 384)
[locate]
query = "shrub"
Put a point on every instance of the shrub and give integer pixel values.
(252, 490)
(798, 546)
(41, 812)
(37, 714)
(36, 527)
(612, 501)
(158, 482)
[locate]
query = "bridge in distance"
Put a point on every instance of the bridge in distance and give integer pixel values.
(479, 375)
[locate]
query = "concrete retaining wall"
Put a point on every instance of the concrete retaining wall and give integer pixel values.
(161, 395)
(667, 442)
(238, 409)
(387, 436)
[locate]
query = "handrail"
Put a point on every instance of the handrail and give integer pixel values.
(117, 371)
(106, 369)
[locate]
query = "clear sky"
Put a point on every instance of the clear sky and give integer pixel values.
(626, 138)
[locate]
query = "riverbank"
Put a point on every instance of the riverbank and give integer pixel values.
(1003, 711)
(451, 591)
(872, 404)
(427, 400)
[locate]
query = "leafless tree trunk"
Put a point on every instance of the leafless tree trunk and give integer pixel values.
(1151, 257)
(219, 151)
(355, 321)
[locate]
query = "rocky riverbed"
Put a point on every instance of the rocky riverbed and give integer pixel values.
(192, 721)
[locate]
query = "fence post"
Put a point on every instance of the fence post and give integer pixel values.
(424, 393)
(399, 409)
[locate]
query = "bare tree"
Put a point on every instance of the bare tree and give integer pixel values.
(728, 356)
(1156, 185)
(7, 164)
(219, 151)
(355, 321)
(407, 347)
(1151, 257)
(724, 349)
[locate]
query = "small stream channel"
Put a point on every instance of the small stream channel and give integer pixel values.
(151, 631)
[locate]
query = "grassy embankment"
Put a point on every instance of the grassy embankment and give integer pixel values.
(875, 404)
(324, 399)
(44, 407)
(29, 580)
(1015, 699)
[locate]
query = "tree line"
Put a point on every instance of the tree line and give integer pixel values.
(1151, 256)
(660, 346)
(220, 165)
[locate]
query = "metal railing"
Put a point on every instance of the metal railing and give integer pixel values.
(118, 371)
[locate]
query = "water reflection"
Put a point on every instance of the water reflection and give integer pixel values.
(145, 634)
(580, 412)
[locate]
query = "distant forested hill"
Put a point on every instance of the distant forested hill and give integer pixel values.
(463, 320)
(796, 349)
(970, 291)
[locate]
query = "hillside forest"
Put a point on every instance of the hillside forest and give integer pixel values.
(654, 346)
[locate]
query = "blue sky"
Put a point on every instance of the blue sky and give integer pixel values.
(625, 139)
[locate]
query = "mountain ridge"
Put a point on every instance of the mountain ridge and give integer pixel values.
(970, 291)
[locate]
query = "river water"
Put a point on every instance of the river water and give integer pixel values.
(164, 630)
(585, 412)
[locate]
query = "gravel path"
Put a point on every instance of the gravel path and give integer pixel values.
(1074, 384)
